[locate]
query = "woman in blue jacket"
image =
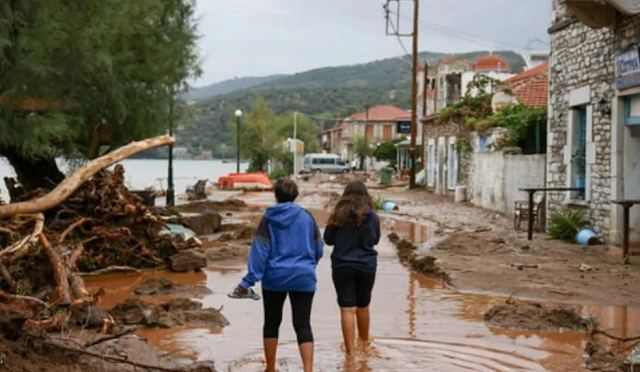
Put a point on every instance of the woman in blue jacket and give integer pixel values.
(354, 230)
(284, 255)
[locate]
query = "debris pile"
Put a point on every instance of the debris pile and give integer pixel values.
(99, 226)
(424, 264)
(90, 222)
(534, 316)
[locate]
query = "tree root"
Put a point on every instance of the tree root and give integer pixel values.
(69, 229)
(59, 271)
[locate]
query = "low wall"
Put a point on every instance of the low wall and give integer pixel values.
(498, 176)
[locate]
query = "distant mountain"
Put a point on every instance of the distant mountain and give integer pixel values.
(330, 92)
(227, 86)
(390, 71)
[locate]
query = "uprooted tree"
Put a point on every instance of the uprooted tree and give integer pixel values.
(81, 78)
(89, 221)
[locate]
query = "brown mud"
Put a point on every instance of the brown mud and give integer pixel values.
(173, 313)
(482, 253)
(416, 321)
(533, 317)
(430, 325)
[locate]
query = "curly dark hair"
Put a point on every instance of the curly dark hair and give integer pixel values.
(352, 207)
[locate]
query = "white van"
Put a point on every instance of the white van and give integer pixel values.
(330, 163)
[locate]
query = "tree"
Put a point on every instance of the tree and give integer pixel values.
(79, 75)
(362, 149)
(258, 135)
(386, 151)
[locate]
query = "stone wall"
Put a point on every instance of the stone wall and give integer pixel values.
(580, 57)
(584, 57)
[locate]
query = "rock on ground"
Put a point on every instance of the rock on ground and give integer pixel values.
(179, 311)
(188, 260)
(163, 286)
(203, 223)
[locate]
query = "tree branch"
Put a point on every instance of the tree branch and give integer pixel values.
(73, 182)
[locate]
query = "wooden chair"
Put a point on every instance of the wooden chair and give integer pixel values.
(521, 212)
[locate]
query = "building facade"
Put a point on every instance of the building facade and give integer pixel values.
(594, 110)
(376, 125)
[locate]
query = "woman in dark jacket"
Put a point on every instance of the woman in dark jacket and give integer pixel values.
(354, 230)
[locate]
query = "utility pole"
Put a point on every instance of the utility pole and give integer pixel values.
(414, 97)
(366, 137)
(396, 31)
(171, 194)
(295, 143)
(238, 114)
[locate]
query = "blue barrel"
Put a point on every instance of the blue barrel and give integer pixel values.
(388, 206)
(587, 237)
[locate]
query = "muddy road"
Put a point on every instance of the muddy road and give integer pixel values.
(417, 323)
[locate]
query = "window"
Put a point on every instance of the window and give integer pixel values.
(579, 152)
(431, 165)
(377, 131)
(452, 166)
(632, 110)
(483, 143)
(388, 133)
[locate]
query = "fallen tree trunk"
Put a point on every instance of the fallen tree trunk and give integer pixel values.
(73, 182)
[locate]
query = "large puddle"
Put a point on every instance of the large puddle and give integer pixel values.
(417, 324)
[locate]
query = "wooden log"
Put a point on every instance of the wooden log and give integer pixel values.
(59, 271)
(78, 289)
(73, 182)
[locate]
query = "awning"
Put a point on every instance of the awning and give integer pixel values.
(601, 13)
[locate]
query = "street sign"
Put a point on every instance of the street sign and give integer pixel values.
(403, 127)
(628, 69)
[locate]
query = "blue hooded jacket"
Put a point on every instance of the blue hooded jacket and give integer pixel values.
(285, 250)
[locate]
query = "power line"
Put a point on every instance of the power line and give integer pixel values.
(397, 34)
(462, 35)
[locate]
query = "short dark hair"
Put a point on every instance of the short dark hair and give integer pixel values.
(286, 190)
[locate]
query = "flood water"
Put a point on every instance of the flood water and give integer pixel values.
(143, 173)
(417, 324)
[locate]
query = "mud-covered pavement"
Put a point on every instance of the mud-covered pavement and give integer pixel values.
(417, 323)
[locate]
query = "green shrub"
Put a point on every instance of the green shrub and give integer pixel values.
(278, 173)
(378, 203)
(565, 224)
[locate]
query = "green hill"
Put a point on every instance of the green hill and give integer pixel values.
(331, 92)
(227, 86)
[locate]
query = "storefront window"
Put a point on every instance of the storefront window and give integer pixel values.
(632, 110)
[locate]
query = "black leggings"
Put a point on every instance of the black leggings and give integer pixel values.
(300, 309)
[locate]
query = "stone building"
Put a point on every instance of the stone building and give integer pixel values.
(594, 110)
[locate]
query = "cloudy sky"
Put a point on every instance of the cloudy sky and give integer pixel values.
(262, 37)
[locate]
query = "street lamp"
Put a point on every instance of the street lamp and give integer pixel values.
(238, 115)
(170, 190)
